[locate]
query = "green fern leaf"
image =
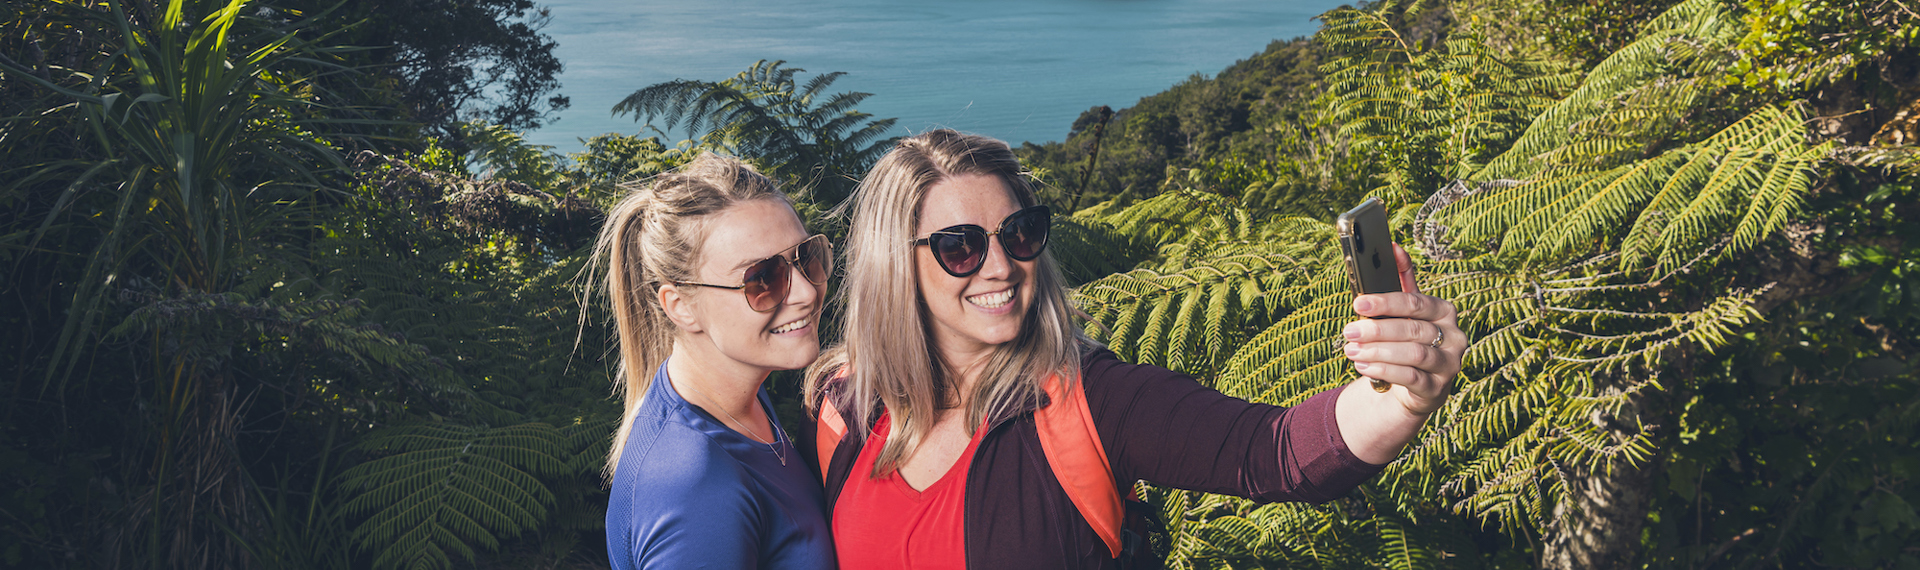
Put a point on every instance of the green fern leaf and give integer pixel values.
(444, 489)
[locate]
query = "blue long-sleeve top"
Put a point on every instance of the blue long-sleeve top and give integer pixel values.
(691, 493)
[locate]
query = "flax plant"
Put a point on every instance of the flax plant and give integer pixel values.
(207, 139)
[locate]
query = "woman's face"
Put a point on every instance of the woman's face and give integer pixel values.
(974, 313)
(782, 339)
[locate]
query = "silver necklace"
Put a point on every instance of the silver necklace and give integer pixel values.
(743, 425)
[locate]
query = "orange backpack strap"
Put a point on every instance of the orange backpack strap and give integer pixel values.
(828, 429)
(1072, 446)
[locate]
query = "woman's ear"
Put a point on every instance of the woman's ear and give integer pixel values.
(679, 308)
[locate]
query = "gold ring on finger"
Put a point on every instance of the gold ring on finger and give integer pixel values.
(1439, 335)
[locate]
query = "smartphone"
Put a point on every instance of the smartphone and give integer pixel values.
(1368, 244)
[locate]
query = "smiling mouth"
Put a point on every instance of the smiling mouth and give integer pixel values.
(992, 300)
(793, 326)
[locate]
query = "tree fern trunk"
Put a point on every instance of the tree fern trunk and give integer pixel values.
(1605, 531)
(1610, 503)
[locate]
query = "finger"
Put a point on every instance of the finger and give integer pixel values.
(1393, 330)
(1431, 360)
(1409, 275)
(1404, 305)
(1427, 390)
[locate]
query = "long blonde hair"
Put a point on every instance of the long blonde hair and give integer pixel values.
(653, 236)
(888, 356)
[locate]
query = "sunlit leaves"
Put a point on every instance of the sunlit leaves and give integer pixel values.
(1579, 261)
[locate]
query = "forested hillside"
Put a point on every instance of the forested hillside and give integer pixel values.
(1202, 120)
(284, 286)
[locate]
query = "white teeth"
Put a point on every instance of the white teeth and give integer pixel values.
(793, 326)
(992, 300)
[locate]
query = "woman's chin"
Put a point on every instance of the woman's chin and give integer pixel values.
(795, 359)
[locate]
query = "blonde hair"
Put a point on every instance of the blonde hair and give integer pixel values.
(886, 353)
(653, 236)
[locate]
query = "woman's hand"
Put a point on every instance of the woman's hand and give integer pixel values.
(1403, 352)
(1417, 350)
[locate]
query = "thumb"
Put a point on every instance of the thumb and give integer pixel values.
(1408, 275)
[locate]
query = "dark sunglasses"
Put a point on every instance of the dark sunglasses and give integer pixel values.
(962, 249)
(765, 281)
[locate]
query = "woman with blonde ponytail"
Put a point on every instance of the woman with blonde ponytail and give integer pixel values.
(713, 284)
(965, 422)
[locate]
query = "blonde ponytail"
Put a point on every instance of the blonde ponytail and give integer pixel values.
(651, 237)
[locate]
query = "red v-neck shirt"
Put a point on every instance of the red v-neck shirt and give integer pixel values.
(882, 524)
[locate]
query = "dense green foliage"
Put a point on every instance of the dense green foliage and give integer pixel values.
(192, 255)
(284, 286)
(1625, 237)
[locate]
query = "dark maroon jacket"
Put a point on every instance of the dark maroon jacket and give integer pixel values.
(1156, 425)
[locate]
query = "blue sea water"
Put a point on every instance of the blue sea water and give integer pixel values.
(1017, 70)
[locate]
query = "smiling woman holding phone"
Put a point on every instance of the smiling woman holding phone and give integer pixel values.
(714, 283)
(960, 350)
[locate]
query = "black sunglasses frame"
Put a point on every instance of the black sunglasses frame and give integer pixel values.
(787, 259)
(1046, 229)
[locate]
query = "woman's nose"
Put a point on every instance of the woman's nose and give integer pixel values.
(996, 265)
(801, 291)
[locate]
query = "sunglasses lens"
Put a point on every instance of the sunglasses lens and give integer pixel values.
(961, 250)
(766, 283)
(1025, 233)
(815, 259)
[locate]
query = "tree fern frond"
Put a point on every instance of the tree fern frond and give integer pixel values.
(1294, 358)
(1087, 249)
(445, 488)
(1641, 63)
(1681, 200)
(1163, 318)
(1401, 547)
(1169, 217)
(815, 145)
